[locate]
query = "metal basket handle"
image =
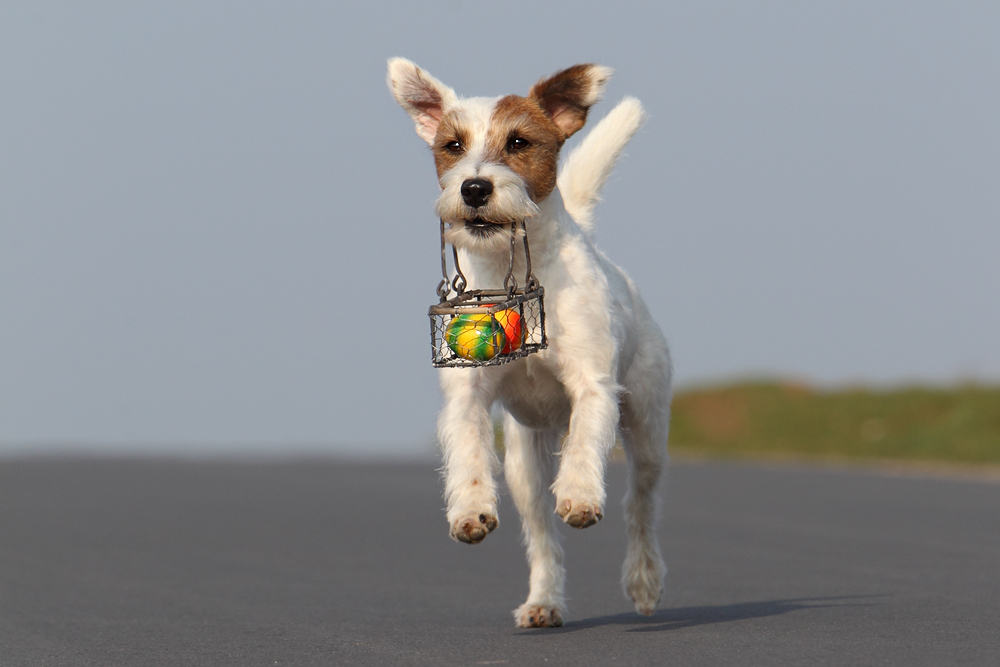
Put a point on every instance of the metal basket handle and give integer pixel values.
(509, 281)
(459, 282)
(530, 281)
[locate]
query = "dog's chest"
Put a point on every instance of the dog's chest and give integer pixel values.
(533, 394)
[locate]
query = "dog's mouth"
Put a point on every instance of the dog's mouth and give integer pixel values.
(482, 228)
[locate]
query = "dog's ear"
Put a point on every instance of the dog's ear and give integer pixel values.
(567, 95)
(421, 95)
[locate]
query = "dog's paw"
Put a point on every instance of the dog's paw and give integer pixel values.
(537, 616)
(645, 598)
(642, 580)
(474, 528)
(579, 514)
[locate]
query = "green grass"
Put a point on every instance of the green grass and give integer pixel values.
(957, 425)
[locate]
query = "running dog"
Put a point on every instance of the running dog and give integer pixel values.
(606, 372)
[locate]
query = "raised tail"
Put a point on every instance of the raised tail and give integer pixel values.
(587, 168)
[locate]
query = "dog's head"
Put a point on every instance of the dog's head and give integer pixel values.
(496, 158)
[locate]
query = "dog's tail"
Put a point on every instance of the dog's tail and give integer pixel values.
(587, 168)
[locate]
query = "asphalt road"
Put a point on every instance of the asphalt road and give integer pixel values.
(136, 563)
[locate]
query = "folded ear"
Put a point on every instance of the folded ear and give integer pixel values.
(567, 95)
(421, 95)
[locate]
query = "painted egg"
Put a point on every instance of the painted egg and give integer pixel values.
(475, 337)
(510, 320)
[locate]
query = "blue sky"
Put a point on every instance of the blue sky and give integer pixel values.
(217, 234)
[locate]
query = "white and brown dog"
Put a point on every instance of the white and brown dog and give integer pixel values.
(606, 372)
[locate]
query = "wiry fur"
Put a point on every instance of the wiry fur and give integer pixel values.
(606, 372)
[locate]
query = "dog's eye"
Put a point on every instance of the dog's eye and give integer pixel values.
(517, 144)
(453, 146)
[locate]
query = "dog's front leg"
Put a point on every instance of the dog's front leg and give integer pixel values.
(465, 430)
(593, 428)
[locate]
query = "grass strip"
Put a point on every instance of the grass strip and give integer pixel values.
(958, 425)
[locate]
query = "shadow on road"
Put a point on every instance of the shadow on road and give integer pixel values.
(686, 617)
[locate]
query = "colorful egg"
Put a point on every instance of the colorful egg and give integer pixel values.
(475, 337)
(510, 320)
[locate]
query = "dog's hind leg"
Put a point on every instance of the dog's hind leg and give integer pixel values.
(645, 423)
(527, 467)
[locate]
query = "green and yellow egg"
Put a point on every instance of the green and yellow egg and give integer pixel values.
(477, 337)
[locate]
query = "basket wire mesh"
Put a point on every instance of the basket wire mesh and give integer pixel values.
(486, 327)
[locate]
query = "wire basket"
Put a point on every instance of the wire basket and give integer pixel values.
(487, 327)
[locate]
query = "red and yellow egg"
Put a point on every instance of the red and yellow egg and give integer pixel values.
(510, 320)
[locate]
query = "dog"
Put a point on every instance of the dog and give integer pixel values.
(606, 372)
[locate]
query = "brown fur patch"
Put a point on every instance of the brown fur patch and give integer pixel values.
(449, 129)
(520, 117)
(566, 96)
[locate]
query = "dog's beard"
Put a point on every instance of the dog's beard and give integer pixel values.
(486, 229)
(481, 238)
(482, 228)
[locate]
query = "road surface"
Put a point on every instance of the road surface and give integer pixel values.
(311, 562)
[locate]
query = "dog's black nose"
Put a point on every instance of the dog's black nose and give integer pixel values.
(476, 192)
